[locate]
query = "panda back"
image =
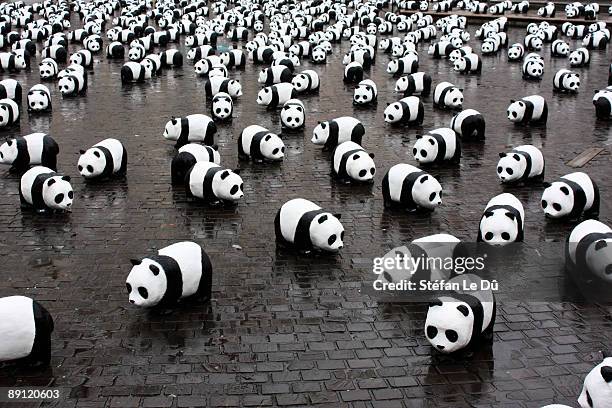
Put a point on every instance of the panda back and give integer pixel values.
(396, 176)
(341, 152)
(582, 230)
(188, 256)
(17, 326)
(115, 148)
(35, 144)
(290, 214)
(586, 184)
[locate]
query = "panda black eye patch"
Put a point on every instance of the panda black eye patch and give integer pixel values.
(331, 239)
(505, 236)
(432, 332)
(59, 198)
(451, 335)
(322, 219)
(143, 292)
(129, 287)
(557, 206)
(489, 236)
(234, 189)
(224, 175)
(154, 269)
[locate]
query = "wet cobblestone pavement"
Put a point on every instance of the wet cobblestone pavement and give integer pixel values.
(285, 330)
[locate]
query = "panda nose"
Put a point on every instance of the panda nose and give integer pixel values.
(340, 246)
(132, 301)
(440, 347)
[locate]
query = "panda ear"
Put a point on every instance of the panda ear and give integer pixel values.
(461, 89)
(546, 184)
(338, 216)
(488, 214)
(224, 174)
(437, 177)
(135, 262)
(388, 104)
(436, 302)
(606, 353)
(50, 182)
(512, 101)
(564, 190)
(9, 142)
(502, 155)
(371, 155)
(154, 269)
(516, 157)
(606, 373)
(237, 171)
(322, 219)
(423, 179)
(268, 137)
(464, 310)
(600, 245)
(66, 178)
(511, 216)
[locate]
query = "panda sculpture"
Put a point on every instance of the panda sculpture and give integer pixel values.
(470, 63)
(233, 58)
(30, 150)
(418, 83)
(44, 190)
(306, 227)
(318, 55)
(26, 331)
(532, 68)
(469, 124)
(440, 49)
(205, 65)
(9, 112)
(171, 58)
(597, 387)
(12, 62)
(293, 115)
(352, 163)
(461, 319)
(522, 163)
(579, 58)
(222, 106)
(410, 188)
(48, 69)
(107, 158)
(152, 62)
(366, 93)
(573, 195)
(218, 84)
(603, 103)
(178, 271)
(503, 221)
(528, 110)
(559, 48)
(214, 184)
(136, 72)
(259, 144)
(437, 146)
(188, 156)
(115, 50)
(566, 81)
(275, 75)
(333, 132)
(447, 95)
(353, 72)
(408, 110)
(516, 52)
(275, 95)
(73, 84)
(191, 128)
(459, 53)
(83, 58)
(11, 89)
(408, 64)
(39, 99)
(597, 40)
(56, 52)
(306, 81)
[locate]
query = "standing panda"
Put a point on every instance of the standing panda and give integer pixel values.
(469, 124)
(533, 68)
(461, 319)
(214, 184)
(181, 270)
(566, 80)
(171, 58)
(528, 110)
(333, 132)
(597, 387)
(218, 84)
(9, 112)
(29, 150)
(275, 95)
(410, 188)
(233, 58)
(222, 106)
(305, 226)
(73, 84)
(365, 93)
(293, 115)
(352, 162)
(418, 83)
(48, 69)
(522, 163)
(559, 48)
(115, 50)
(408, 110)
(470, 63)
(136, 72)
(437, 146)
(306, 81)
(603, 104)
(596, 40)
(353, 72)
(588, 256)
(441, 49)
(191, 128)
(258, 143)
(579, 57)
(274, 75)
(188, 156)
(26, 328)
(573, 195)
(83, 58)
(11, 89)
(43, 189)
(447, 95)
(105, 159)
(408, 64)
(152, 62)
(503, 221)
(39, 99)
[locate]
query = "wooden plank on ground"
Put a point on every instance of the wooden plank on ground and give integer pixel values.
(585, 157)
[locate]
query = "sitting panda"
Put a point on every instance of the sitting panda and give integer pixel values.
(352, 163)
(410, 188)
(365, 93)
(44, 190)
(107, 158)
(503, 221)
(293, 115)
(523, 163)
(571, 196)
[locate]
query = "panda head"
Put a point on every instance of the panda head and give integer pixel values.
(425, 149)
(499, 227)
(234, 89)
(575, 58)
(295, 59)
(263, 76)
(320, 133)
(38, 100)
(91, 163)
(557, 200)
(222, 106)
(537, 43)
(360, 166)
(572, 82)
(218, 70)
(272, 147)
(514, 53)
(535, 68)
(510, 167)
(454, 98)
(460, 64)
(516, 111)
(136, 53)
(371, 29)
(449, 323)
(364, 94)
(258, 26)
(292, 115)
(93, 45)
(327, 233)
(300, 82)
(427, 192)
(326, 46)
(8, 151)
(149, 65)
(67, 85)
(228, 185)
(392, 67)
(202, 67)
(402, 84)
(597, 387)
(172, 131)
(563, 49)
(191, 54)
(57, 193)
(319, 55)
(189, 41)
(456, 42)
(393, 113)
(147, 283)
(487, 47)
(47, 70)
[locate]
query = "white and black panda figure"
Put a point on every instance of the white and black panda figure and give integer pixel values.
(318, 55)
(57, 53)
(566, 81)
(441, 49)
(408, 64)
(293, 115)
(73, 84)
(202, 52)
(579, 58)
(503, 221)
(597, 40)
(103, 160)
(603, 104)
(353, 72)
(352, 163)
(548, 10)
(418, 83)
(233, 58)
(470, 63)
(588, 257)
(222, 106)
(531, 110)
(437, 146)
(462, 319)
(93, 43)
(447, 95)
(333, 132)
(152, 62)
(469, 124)
(115, 50)
(11, 62)
(408, 110)
(39, 99)
(48, 69)
(275, 75)
(559, 48)
(366, 93)
(188, 156)
(516, 52)
(259, 144)
(532, 68)
(135, 72)
(214, 184)
(306, 227)
(171, 58)
(572, 196)
(191, 128)
(306, 81)
(9, 112)
(276, 95)
(44, 190)
(30, 150)
(597, 387)
(217, 84)
(410, 188)
(11, 89)
(26, 332)
(178, 271)
(522, 163)
(83, 58)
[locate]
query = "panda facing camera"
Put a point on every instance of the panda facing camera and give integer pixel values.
(523, 163)
(503, 221)
(293, 115)
(437, 146)
(222, 106)
(365, 93)
(306, 81)
(572, 196)
(447, 95)
(107, 158)
(44, 190)
(39, 99)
